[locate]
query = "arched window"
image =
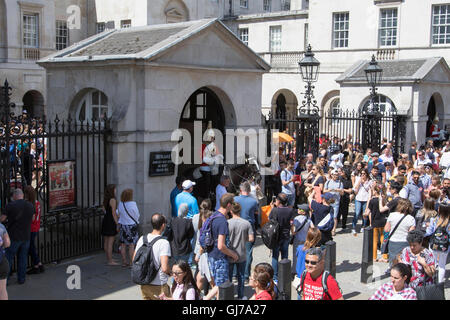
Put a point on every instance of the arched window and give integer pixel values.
(385, 105)
(93, 107)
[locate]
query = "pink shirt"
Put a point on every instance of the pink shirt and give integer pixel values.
(190, 294)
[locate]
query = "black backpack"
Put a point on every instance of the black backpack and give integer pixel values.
(143, 268)
(440, 239)
(270, 233)
(325, 276)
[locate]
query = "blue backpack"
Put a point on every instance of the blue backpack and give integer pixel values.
(206, 238)
(327, 223)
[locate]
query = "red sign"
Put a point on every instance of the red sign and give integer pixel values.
(61, 184)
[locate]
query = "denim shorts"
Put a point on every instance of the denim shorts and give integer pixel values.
(291, 199)
(219, 270)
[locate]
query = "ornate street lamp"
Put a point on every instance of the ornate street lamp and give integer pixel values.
(371, 112)
(308, 113)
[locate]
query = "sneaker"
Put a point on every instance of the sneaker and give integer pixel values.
(34, 271)
(354, 232)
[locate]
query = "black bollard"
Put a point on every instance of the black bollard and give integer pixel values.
(330, 258)
(284, 279)
(226, 291)
(367, 259)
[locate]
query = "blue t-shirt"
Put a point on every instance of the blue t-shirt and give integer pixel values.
(173, 194)
(219, 226)
(189, 199)
(249, 206)
(300, 267)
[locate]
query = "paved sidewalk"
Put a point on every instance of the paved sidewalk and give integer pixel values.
(102, 282)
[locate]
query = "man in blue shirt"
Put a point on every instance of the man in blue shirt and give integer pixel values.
(188, 198)
(176, 191)
(414, 192)
(249, 207)
(381, 168)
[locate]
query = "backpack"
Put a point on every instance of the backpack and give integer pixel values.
(206, 238)
(327, 223)
(325, 276)
(270, 233)
(143, 268)
(439, 240)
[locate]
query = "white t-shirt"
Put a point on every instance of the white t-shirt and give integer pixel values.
(402, 231)
(160, 248)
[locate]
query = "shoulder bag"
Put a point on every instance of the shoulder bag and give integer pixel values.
(385, 245)
(434, 291)
(136, 228)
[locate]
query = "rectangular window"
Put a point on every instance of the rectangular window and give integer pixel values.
(275, 39)
(306, 36)
(125, 24)
(441, 24)
(244, 3)
(340, 29)
(243, 35)
(388, 27)
(285, 5)
(101, 27)
(267, 5)
(31, 30)
(62, 35)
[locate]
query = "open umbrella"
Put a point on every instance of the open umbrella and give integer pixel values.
(282, 137)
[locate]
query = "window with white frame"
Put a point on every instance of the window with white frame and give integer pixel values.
(441, 24)
(62, 35)
(125, 24)
(267, 5)
(101, 26)
(244, 3)
(93, 107)
(285, 5)
(335, 110)
(388, 27)
(243, 35)
(31, 30)
(275, 39)
(340, 29)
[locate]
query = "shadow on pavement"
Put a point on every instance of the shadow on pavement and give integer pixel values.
(351, 295)
(346, 266)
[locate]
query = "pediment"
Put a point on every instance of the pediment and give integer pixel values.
(211, 49)
(439, 73)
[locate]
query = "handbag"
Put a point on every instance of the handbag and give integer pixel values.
(434, 291)
(136, 227)
(385, 246)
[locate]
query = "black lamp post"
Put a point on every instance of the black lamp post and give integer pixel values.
(308, 113)
(372, 113)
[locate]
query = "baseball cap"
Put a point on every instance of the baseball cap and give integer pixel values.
(188, 184)
(375, 154)
(328, 196)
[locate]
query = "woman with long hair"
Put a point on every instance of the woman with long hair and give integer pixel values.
(439, 224)
(377, 220)
(362, 191)
(261, 281)
(318, 183)
(30, 195)
(110, 222)
(356, 174)
(183, 286)
(312, 240)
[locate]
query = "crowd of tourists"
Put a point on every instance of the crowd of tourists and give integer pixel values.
(402, 197)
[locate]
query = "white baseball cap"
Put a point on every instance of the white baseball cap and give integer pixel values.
(187, 184)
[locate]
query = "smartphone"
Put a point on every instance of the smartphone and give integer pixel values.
(274, 198)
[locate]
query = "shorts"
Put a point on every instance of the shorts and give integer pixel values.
(335, 207)
(291, 199)
(203, 267)
(219, 270)
(4, 268)
(128, 234)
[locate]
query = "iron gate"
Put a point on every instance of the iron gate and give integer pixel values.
(28, 146)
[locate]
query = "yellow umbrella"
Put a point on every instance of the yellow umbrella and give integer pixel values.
(282, 137)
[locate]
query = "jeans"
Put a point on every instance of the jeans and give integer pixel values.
(283, 247)
(441, 258)
(249, 260)
(191, 258)
(21, 248)
(240, 269)
(33, 250)
(335, 207)
(360, 206)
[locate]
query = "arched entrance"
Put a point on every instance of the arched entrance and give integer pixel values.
(33, 103)
(435, 109)
(203, 106)
(280, 112)
(284, 106)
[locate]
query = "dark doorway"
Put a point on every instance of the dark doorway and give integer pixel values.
(280, 112)
(203, 105)
(33, 103)
(431, 112)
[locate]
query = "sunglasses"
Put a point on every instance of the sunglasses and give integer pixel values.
(177, 273)
(313, 263)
